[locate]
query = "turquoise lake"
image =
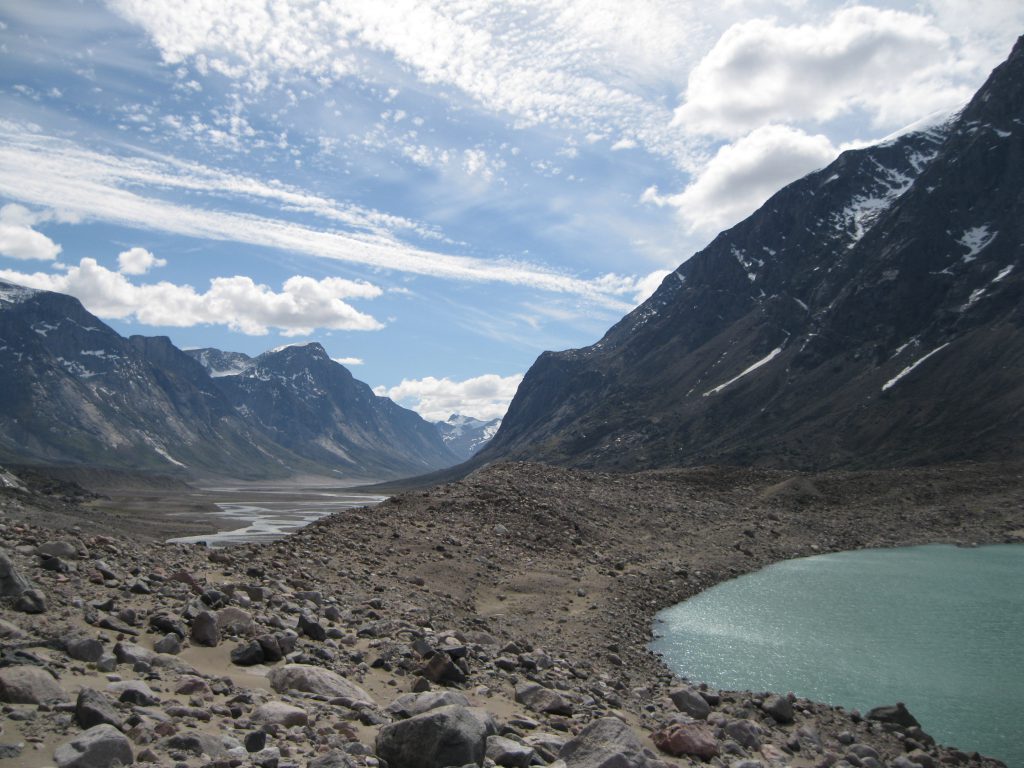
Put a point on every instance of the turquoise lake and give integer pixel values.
(940, 628)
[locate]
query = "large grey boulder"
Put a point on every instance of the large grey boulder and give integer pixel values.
(607, 743)
(690, 701)
(205, 629)
(27, 684)
(543, 700)
(441, 737)
(306, 678)
(102, 746)
(92, 708)
(412, 704)
(509, 753)
(279, 713)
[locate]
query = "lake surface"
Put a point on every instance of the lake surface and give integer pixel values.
(265, 518)
(940, 628)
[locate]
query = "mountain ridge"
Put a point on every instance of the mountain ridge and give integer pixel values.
(868, 314)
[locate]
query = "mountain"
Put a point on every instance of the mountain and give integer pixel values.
(218, 363)
(465, 435)
(73, 391)
(870, 314)
(315, 407)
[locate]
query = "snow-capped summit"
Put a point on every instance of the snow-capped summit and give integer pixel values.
(465, 435)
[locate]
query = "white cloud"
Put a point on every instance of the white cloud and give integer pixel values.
(52, 172)
(348, 360)
(18, 240)
(303, 305)
(484, 397)
(897, 66)
(646, 286)
(741, 176)
(138, 261)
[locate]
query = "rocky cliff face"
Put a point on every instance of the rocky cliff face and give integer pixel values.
(315, 407)
(869, 314)
(73, 391)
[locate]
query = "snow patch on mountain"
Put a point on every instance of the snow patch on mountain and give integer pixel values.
(895, 379)
(764, 360)
(975, 240)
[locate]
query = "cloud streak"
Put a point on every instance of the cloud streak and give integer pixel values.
(51, 172)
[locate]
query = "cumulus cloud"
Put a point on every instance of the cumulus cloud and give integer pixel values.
(742, 175)
(348, 360)
(483, 397)
(18, 240)
(138, 261)
(646, 286)
(894, 65)
(302, 306)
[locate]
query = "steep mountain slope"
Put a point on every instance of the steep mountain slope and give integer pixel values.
(73, 390)
(869, 314)
(218, 363)
(465, 435)
(314, 407)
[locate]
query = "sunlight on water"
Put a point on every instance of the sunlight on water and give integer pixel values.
(262, 521)
(937, 627)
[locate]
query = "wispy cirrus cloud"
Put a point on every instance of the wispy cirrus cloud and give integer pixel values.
(51, 172)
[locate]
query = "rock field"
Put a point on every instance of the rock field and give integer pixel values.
(502, 620)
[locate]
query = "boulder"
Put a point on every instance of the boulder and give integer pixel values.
(205, 630)
(92, 708)
(780, 708)
(31, 601)
(310, 627)
(606, 743)
(279, 713)
(412, 704)
(169, 643)
(12, 583)
(235, 621)
(897, 715)
(690, 702)
(9, 631)
(509, 753)
(746, 733)
(306, 678)
(64, 548)
(544, 700)
(27, 684)
(335, 759)
(102, 746)
(84, 648)
(134, 692)
(248, 654)
(687, 739)
(446, 736)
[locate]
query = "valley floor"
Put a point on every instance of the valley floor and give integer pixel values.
(520, 574)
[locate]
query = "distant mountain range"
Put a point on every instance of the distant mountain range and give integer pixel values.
(73, 391)
(465, 436)
(870, 314)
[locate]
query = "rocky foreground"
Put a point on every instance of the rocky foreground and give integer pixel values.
(500, 620)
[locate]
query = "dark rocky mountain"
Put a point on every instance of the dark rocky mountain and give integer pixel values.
(869, 314)
(73, 391)
(315, 407)
(465, 435)
(218, 363)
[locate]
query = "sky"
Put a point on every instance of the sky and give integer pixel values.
(435, 190)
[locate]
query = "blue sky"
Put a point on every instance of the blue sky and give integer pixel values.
(435, 191)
